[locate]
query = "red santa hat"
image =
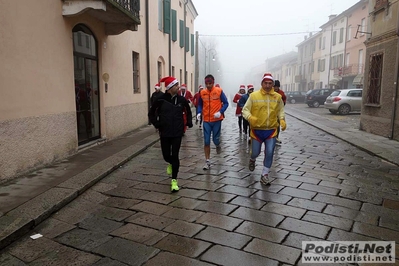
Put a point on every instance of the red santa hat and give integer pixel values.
(217, 85)
(183, 86)
(157, 86)
(169, 82)
(250, 86)
(267, 76)
(200, 87)
(242, 87)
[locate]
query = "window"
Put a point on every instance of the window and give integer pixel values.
(174, 25)
(334, 38)
(360, 62)
(173, 71)
(160, 15)
(181, 75)
(363, 26)
(320, 41)
(355, 93)
(187, 39)
(136, 74)
(181, 41)
(347, 59)
(166, 16)
(79, 39)
(341, 35)
(324, 43)
(349, 33)
(375, 77)
(192, 44)
(159, 70)
(323, 65)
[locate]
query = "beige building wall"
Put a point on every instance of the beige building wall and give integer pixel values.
(38, 103)
(377, 118)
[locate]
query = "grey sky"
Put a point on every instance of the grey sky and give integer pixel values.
(277, 19)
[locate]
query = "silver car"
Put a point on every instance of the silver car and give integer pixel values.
(344, 101)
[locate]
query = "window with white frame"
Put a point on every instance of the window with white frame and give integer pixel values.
(349, 33)
(363, 26)
(136, 73)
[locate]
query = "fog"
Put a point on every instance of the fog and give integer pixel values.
(235, 36)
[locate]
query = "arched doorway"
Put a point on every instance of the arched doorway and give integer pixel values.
(86, 84)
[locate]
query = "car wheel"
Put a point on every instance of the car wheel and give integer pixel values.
(310, 105)
(316, 104)
(344, 109)
(292, 101)
(333, 111)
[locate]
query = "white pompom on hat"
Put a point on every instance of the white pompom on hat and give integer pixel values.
(169, 82)
(267, 76)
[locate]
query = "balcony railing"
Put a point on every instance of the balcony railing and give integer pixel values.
(117, 15)
(350, 70)
(130, 6)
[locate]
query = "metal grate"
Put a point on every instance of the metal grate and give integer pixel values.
(375, 78)
(132, 6)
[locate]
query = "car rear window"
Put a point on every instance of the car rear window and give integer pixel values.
(335, 93)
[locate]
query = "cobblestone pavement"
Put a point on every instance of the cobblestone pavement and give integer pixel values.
(323, 188)
(352, 119)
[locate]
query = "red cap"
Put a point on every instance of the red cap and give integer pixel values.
(169, 82)
(268, 76)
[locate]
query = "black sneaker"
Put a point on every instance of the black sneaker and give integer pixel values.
(251, 165)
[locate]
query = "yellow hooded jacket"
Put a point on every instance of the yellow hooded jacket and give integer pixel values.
(266, 107)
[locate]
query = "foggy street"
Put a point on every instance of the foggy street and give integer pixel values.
(323, 189)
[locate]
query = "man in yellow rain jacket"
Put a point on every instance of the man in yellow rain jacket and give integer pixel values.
(262, 110)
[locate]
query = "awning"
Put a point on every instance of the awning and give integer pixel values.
(334, 81)
(358, 80)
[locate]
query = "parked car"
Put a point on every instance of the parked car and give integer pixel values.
(317, 97)
(344, 101)
(295, 96)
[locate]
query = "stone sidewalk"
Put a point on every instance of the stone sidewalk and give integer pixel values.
(324, 189)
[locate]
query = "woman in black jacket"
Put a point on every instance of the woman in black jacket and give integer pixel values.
(166, 114)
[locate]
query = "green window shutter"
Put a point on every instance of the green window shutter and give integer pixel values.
(166, 16)
(187, 37)
(192, 44)
(181, 33)
(174, 25)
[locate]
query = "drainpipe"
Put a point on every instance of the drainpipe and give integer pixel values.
(329, 58)
(147, 53)
(344, 55)
(185, 37)
(395, 93)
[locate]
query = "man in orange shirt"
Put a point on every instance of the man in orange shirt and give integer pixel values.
(211, 106)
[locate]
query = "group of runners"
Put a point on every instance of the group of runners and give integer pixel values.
(260, 116)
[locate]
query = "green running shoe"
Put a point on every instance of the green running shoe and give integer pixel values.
(169, 169)
(173, 186)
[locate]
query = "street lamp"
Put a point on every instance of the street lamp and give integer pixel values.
(207, 55)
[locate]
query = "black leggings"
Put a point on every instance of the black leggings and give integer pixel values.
(170, 152)
(245, 123)
(240, 122)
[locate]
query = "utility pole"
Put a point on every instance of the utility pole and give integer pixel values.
(196, 82)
